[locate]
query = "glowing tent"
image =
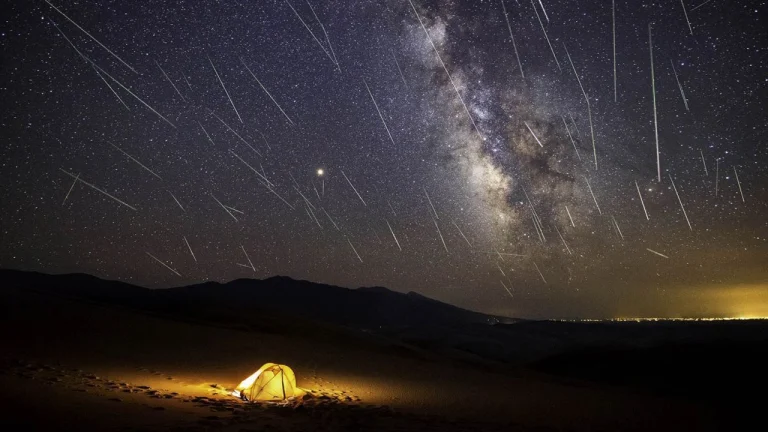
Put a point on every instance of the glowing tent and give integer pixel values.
(271, 382)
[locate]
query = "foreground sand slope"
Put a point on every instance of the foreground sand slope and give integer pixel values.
(88, 366)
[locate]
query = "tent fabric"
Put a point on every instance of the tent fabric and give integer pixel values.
(271, 382)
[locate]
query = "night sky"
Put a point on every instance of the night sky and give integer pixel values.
(439, 150)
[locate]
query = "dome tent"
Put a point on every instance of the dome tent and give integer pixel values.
(271, 382)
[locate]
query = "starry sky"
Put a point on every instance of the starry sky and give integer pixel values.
(489, 154)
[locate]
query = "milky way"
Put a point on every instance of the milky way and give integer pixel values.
(197, 134)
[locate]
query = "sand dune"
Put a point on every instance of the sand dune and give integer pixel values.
(91, 366)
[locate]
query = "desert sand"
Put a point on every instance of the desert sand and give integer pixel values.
(75, 365)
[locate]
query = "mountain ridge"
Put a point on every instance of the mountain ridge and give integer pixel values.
(364, 307)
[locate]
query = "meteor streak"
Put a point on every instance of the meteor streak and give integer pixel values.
(462, 234)
(225, 208)
(431, 205)
(91, 36)
(70, 189)
(514, 45)
(593, 195)
(739, 183)
(164, 264)
(616, 224)
(613, 15)
(393, 234)
(379, 111)
(190, 249)
(641, 201)
(169, 80)
(545, 35)
(534, 135)
(686, 17)
(563, 239)
(657, 253)
(505, 287)
(177, 201)
(312, 33)
(355, 250)
(571, 137)
(681, 203)
(267, 92)
(655, 118)
(135, 160)
(399, 69)
(589, 107)
(77, 178)
(540, 274)
(225, 89)
(354, 189)
(441, 235)
(569, 216)
(248, 258)
(682, 92)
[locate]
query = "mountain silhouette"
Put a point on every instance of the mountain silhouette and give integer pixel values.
(245, 301)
